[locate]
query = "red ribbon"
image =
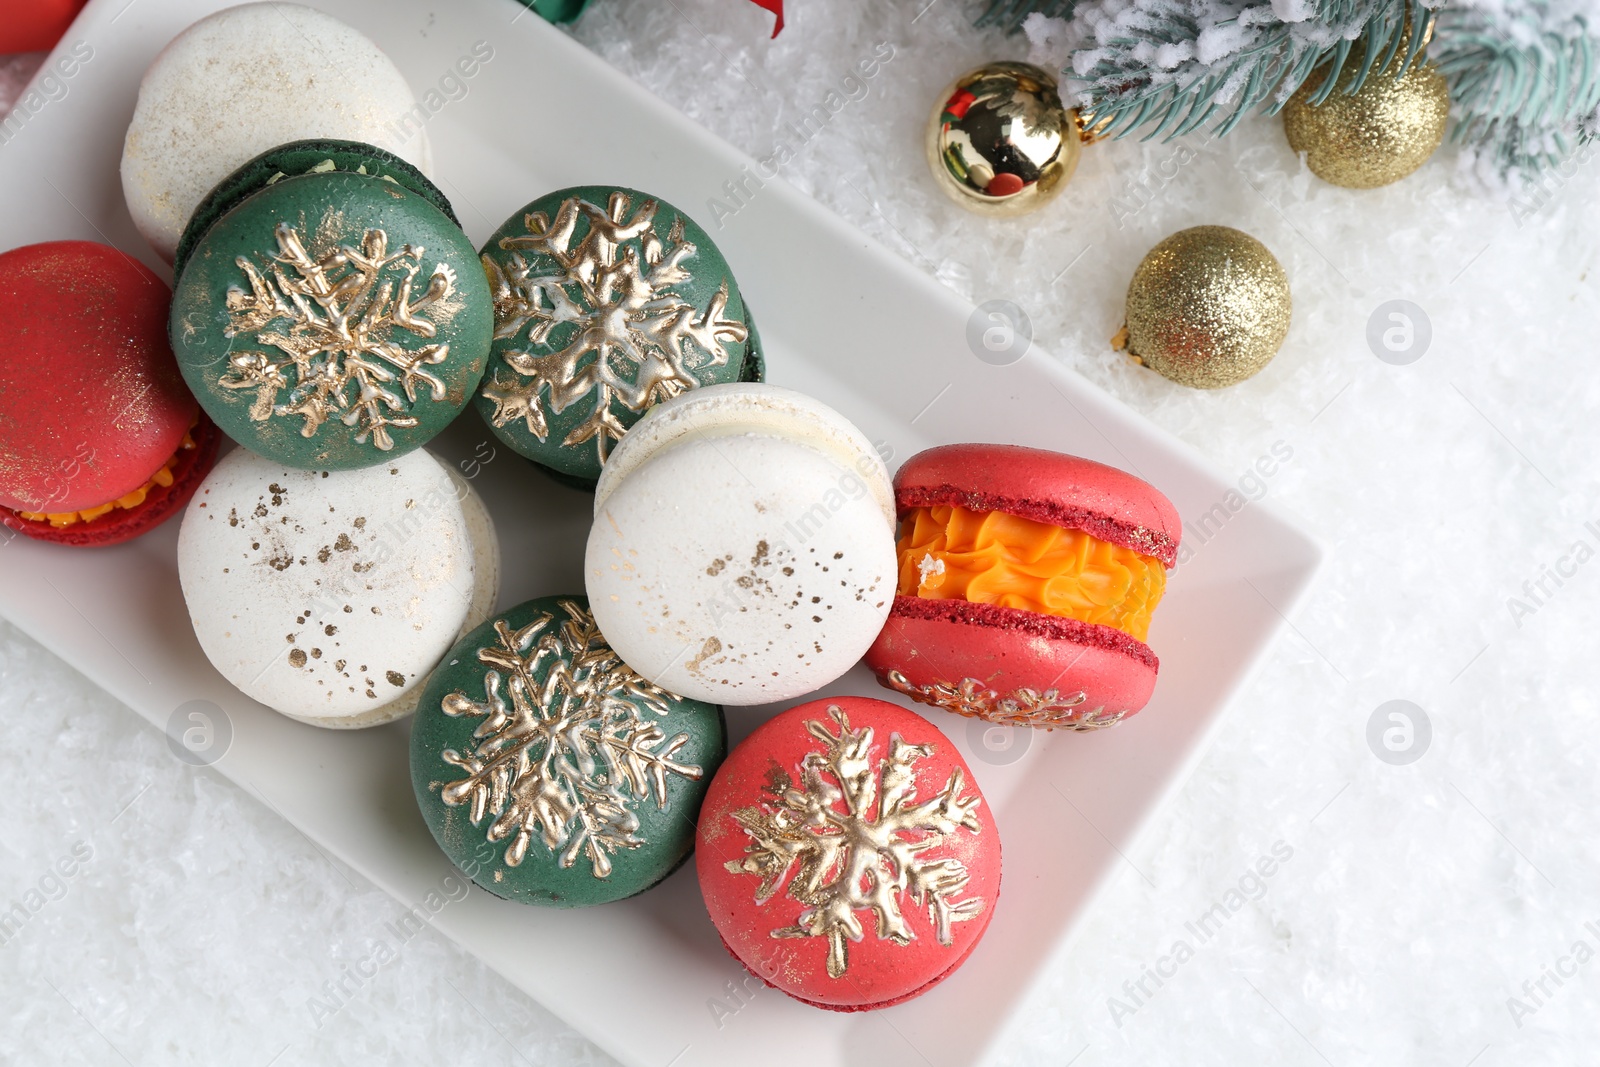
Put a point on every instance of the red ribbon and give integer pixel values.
(776, 7)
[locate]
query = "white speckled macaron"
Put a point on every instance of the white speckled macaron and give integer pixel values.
(242, 81)
(330, 596)
(743, 548)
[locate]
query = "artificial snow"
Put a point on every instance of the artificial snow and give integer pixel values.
(1421, 914)
(1293, 10)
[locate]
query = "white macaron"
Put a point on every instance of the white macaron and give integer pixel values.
(743, 548)
(247, 79)
(330, 596)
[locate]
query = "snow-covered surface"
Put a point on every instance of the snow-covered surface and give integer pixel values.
(1344, 908)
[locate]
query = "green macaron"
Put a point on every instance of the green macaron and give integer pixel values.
(549, 771)
(328, 312)
(303, 157)
(606, 302)
(755, 359)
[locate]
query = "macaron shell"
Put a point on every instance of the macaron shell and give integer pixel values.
(296, 158)
(1045, 486)
(654, 298)
(755, 355)
(878, 971)
(480, 606)
(744, 408)
(1012, 666)
(740, 570)
(91, 401)
(596, 691)
(327, 596)
(874, 1006)
(239, 82)
(238, 335)
(124, 524)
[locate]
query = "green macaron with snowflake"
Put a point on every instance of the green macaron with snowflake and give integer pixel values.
(607, 301)
(551, 772)
(328, 311)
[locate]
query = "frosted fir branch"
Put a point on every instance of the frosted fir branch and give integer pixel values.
(1179, 65)
(1524, 81)
(1168, 67)
(1009, 15)
(1524, 75)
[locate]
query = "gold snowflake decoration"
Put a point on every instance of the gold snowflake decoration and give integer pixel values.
(566, 755)
(634, 340)
(1048, 709)
(860, 841)
(328, 321)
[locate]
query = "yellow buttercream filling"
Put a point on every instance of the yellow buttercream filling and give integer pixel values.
(162, 477)
(989, 557)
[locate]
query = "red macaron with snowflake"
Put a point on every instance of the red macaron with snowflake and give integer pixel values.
(100, 440)
(1027, 582)
(846, 855)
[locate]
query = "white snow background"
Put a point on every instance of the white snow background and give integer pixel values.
(1417, 898)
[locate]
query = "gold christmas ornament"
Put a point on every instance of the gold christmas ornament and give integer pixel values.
(1208, 307)
(1376, 135)
(1000, 143)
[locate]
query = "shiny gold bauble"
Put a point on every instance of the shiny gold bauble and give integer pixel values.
(1376, 135)
(1000, 142)
(1208, 307)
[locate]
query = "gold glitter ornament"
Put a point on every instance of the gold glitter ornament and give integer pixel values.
(1208, 307)
(1376, 135)
(1000, 143)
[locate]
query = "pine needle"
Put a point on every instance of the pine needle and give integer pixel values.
(1524, 75)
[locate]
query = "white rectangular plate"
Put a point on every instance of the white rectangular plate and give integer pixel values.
(842, 319)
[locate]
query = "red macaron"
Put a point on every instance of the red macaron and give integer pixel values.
(100, 440)
(846, 855)
(1027, 579)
